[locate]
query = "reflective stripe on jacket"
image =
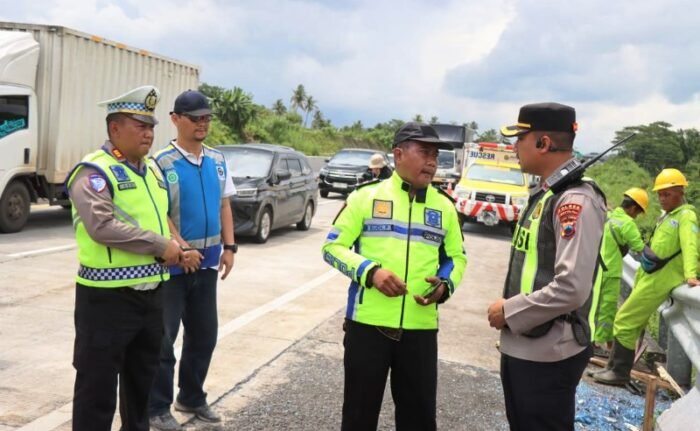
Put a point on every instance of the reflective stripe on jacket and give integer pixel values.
(414, 239)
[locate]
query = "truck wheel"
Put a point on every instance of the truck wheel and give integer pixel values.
(14, 207)
(305, 222)
(264, 226)
(324, 193)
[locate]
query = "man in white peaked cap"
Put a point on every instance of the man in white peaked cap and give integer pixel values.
(119, 210)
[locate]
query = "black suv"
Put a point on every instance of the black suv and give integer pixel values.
(275, 187)
(346, 169)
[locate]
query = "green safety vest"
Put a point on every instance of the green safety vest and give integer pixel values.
(532, 259)
(413, 239)
(140, 201)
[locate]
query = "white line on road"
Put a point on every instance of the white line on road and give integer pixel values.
(62, 415)
(42, 251)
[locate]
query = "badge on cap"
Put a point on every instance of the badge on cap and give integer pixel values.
(568, 215)
(97, 182)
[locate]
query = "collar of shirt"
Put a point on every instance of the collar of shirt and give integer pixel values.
(109, 148)
(191, 157)
(406, 187)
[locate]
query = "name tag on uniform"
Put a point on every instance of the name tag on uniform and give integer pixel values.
(127, 186)
(382, 209)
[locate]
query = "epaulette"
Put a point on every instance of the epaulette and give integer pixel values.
(447, 195)
(368, 183)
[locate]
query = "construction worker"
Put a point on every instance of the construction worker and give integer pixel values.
(548, 296)
(620, 235)
(400, 242)
(670, 260)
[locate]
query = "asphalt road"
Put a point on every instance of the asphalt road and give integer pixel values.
(278, 363)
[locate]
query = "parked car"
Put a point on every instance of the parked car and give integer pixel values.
(275, 187)
(346, 169)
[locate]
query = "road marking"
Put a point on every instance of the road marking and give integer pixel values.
(63, 414)
(42, 251)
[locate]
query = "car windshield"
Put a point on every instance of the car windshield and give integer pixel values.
(446, 159)
(357, 158)
(495, 174)
(247, 162)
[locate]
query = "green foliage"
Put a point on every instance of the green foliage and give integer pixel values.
(220, 133)
(655, 147)
(235, 109)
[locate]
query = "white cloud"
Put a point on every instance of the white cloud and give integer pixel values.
(618, 63)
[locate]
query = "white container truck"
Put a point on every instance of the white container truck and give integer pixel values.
(51, 79)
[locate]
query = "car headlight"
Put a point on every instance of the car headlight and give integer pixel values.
(519, 200)
(462, 193)
(246, 193)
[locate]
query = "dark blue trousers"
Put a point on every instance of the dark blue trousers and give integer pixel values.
(190, 298)
(542, 395)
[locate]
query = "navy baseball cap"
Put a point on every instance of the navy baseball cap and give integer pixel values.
(545, 117)
(419, 132)
(192, 102)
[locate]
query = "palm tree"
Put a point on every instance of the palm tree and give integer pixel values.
(433, 119)
(418, 118)
(235, 108)
(309, 105)
(279, 108)
(298, 98)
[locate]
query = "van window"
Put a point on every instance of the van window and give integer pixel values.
(14, 111)
(294, 167)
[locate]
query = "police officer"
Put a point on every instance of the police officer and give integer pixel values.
(670, 260)
(120, 218)
(400, 243)
(199, 187)
(543, 316)
(620, 235)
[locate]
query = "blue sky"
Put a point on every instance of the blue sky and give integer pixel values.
(617, 63)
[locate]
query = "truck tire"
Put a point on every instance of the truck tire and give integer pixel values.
(14, 207)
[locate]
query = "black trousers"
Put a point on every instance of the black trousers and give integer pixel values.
(118, 333)
(541, 396)
(190, 298)
(369, 355)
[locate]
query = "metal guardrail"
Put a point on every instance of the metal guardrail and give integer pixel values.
(681, 314)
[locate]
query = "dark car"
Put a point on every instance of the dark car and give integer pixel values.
(275, 187)
(346, 169)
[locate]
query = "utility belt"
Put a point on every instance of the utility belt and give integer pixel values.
(651, 263)
(582, 332)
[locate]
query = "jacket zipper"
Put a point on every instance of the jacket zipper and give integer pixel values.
(408, 249)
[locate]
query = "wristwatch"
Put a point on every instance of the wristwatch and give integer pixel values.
(232, 247)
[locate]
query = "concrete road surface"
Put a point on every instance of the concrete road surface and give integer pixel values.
(278, 363)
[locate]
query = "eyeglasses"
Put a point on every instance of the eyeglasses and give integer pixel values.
(197, 118)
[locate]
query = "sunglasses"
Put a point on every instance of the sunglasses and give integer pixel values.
(197, 118)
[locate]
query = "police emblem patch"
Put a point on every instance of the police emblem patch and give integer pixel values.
(97, 182)
(568, 215)
(538, 211)
(151, 100)
(220, 171)
(382, 209)
(433, 218)
(171, 176)
(119, 173)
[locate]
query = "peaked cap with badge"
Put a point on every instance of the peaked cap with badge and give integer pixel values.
(545, 117)
(138, 104)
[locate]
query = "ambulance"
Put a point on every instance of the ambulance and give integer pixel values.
(493, 190)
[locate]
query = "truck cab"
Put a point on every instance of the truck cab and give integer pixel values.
(493, 190)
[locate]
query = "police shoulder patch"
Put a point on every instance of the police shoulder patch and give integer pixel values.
(97, 182)
(568, 215)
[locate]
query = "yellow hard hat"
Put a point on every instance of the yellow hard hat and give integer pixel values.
(639, 196)
(669, 178)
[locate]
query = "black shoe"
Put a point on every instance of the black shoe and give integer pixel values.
(164, 422)
(203, 413)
